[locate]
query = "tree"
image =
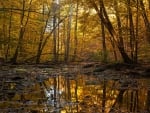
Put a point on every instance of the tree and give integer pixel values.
(51, 11)
(33, 29)
(146, 20)
(106, 21)
(6, 18)
(132, 30)
(104, 49)
(9, 36)
(67, 47)
(23, 24)
(43, 30)
(76, 31)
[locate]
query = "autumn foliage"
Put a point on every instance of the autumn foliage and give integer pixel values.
(38, 31)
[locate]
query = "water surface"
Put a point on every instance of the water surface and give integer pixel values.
(78, 93)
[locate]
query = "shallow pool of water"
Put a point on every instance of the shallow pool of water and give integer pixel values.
(79, 93)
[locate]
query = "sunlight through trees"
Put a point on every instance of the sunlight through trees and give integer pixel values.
(73, 30)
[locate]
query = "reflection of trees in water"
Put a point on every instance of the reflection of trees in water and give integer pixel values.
(148, 101)
(81, 93)
(95, 95)
(104, 96)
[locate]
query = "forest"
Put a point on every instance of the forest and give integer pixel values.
(37, 31)
(75, 56)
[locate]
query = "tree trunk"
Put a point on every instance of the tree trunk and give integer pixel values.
(106, 21)
(43, 40)
(137, 32)
(54, 40)
(39, 50)
(104, 49)
(21, 34)
(9, 36)
(75, 33)
(22, 31)
(126, 58)
(4, 30)
(146, 20)
(132, 31)
(68, 34)
(58, 39)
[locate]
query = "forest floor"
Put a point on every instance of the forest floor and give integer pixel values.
(41, 72)
(95, 68)
(131, 70)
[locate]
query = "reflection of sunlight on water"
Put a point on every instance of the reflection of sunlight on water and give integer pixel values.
(88, 92)
(49, 93)
(85, 94)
